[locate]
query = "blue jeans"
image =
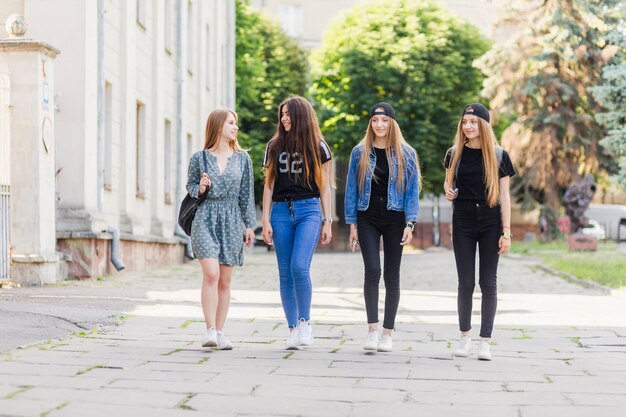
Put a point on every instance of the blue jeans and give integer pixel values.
(297, 225)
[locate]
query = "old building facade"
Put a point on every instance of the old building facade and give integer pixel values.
(133, 85)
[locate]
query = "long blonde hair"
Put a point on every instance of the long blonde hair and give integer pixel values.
(214, 125)
(394, 143)
(488, 145)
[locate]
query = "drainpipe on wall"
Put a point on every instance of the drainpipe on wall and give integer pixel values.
(180, 88)
(115, 247)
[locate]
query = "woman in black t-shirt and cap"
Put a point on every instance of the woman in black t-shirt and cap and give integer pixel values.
(477, 182)
(298, 171)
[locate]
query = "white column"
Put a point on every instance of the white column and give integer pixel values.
(30, 65)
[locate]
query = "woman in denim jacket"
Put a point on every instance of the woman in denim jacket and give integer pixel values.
(382, 199)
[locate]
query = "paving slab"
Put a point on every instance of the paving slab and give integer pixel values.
(558, 349)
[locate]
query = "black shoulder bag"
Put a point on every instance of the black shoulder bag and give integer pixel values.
(189, 205)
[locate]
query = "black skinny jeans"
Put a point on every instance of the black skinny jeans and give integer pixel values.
(373, 223)
(476, 223)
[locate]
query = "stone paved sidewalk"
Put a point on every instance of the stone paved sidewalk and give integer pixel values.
(559, 349)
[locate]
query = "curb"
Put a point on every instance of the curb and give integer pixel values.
(575, 280)
(585, 283)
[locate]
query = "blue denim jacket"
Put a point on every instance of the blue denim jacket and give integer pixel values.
(406, 200)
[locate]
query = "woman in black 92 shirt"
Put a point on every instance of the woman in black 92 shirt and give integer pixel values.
(477, 182)
(296, 208)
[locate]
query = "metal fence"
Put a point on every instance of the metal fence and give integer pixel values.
(5, 184)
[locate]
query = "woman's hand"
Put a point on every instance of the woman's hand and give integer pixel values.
(407, 236)
(451, 194)
(327, 233)
(268, 233)
(205, 182)
(354, 238)
(504, 244)
(249, 237)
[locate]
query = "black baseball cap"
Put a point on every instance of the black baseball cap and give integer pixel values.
(477, 109)
(387, 110)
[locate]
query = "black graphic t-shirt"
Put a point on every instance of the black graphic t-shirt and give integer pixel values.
(286, 187)
(470, 182)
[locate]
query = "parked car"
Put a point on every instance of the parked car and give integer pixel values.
(594, 228)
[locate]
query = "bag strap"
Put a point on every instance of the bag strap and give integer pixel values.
(206, 169)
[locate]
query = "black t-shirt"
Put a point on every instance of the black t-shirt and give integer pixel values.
(380, 182)
(286, 185)
(470, 181)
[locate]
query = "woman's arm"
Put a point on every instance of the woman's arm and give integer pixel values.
(351, 196)
(325, 197)
(268, 192)
(412, 195)
(246, 194)
(449, 192)
(246, 201)
(505, 209)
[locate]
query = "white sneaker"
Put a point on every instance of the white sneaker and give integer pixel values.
(305, 333)
(484, 354)
(371, 343)
(385, 344)
(210, 338)
(292, 342)
(464, 348)
(222, 342)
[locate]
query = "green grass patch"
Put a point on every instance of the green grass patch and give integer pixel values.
(18, 391)
(183, 404)
(58, 407)
(606, 266)
(91, 368)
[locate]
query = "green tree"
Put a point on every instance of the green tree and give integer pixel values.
(413, 54)
(270, 66)
(612, 94)
(539, 79)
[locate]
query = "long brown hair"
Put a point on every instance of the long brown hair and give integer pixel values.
(214, 125)
(394, 143)
(488, 144)
(303, 138)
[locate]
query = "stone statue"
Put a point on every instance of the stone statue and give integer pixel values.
(576, 200)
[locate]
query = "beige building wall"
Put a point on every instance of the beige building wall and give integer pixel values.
(306, 20)
(131, 181)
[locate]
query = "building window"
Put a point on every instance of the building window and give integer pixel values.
(141, 13)
(108, 142)
(207, 58)
(190, 37)
(168, 154)
(291, 19)
(141, 150)
(168, 26)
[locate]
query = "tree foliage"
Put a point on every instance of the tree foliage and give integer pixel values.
(270, 66)
(413, 54)
(539, 79)
(612, 94)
